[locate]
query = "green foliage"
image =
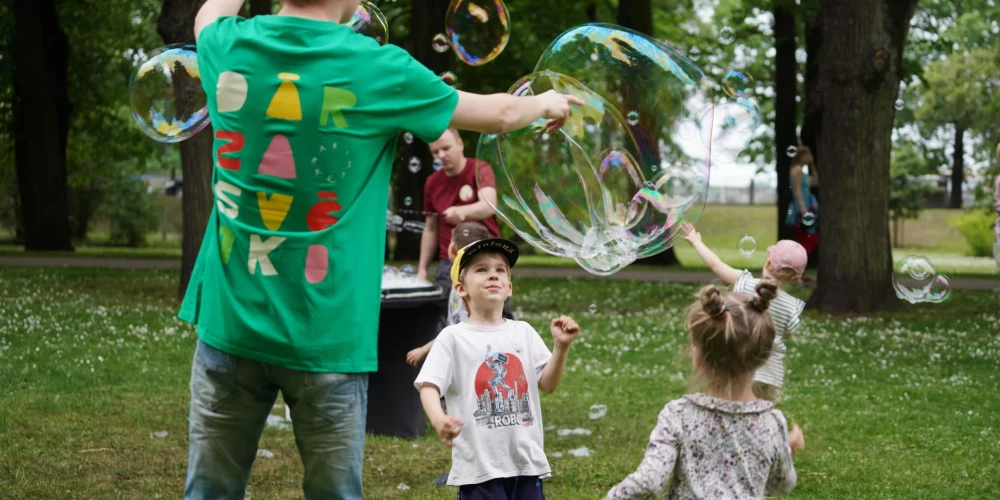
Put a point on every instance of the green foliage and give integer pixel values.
(131, 213)
(977, 228)
(906, 197)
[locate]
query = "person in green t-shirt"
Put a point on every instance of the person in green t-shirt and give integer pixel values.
(285, 292)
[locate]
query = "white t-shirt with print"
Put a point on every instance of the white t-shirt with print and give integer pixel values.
(785, 311)
(489, 379)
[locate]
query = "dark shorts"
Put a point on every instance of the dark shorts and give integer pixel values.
(506, 488)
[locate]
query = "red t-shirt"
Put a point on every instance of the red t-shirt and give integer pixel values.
(442, 192)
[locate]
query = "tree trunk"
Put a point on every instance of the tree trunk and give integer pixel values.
(860, 63)
(176, 25)
(638, 15)
(814, 110)
(260, 7)
(958, 168)
(41, 124)
(785, 112)
(426, 20)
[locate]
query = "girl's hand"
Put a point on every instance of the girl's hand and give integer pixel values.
(692, 235)
(796, 440)
(564, 330)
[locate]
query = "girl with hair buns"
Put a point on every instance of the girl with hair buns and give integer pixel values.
(724, 443)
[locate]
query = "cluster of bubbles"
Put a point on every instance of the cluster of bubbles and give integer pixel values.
(916, 280)
(166, 97)
(747, 245)
(632, 164)
(404, 272)
(476, 30)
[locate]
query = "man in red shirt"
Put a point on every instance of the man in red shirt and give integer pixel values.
(454, 196)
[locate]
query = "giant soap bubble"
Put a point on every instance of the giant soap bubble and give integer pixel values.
(165, 94)
(368, 20)
(627, 170)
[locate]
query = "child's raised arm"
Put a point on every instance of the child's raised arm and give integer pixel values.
(564, 331)
(715, 264)
(214, 9)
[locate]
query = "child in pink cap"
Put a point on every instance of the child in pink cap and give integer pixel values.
(786, 262)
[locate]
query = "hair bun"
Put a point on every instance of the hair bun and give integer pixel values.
(712, 302)
(765, 291)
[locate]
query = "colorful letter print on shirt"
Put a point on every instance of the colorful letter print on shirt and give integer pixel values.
(306, 115)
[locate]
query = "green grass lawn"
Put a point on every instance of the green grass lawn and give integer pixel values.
(902, 405)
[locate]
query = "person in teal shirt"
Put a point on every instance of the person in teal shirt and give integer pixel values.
(285, 292)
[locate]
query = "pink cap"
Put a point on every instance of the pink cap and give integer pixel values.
(787, 253)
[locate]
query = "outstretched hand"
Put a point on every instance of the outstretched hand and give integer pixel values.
(564, 330)
(692, 235)
(555, 108)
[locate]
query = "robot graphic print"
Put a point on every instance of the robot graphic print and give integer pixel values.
(502, 393)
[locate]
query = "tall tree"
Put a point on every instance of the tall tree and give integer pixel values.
(860, 65)
(176, 25)
(41, 123)
(426, 20)
(638, 15)
(785, 106)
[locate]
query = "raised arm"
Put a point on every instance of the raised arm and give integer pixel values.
(715, 264)
(500, 113)
(214, 9)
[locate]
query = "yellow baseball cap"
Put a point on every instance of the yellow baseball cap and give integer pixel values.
(505, 247)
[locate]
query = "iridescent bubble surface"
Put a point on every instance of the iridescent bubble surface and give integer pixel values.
(166, 98)
(369, 21)
(477, 30)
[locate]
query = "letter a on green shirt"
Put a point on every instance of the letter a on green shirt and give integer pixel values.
(305, 116)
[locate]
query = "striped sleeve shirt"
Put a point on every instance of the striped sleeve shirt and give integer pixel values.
(785, 311)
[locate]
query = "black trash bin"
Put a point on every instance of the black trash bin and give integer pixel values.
(412, 315)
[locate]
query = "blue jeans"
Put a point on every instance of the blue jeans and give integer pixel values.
(231, 398)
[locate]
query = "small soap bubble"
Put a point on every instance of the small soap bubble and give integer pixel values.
(449, 78)
(408, 271)
(914, 278)
(440, 42)
(737, 83)
(694, 53)
(808, 219)
(437, 164)
(633, 118)
(791, 151)
(166, 97)
(414, 164)
(748, 245)
(940, 290)
(593, 57)
(408, 138)
(598, 411)
(727, 35)
(899, 104)
(368, 20)
(465, 232)
(408, 201)
(593, 308)
(477, 30)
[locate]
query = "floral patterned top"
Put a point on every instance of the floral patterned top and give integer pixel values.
(714, 448)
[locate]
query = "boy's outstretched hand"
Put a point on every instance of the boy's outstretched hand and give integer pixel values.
(692, 235)
(556, 108)
(415, 356)
(564, 330)
(448, 428)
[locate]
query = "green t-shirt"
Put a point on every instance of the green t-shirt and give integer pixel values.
(305, 115)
